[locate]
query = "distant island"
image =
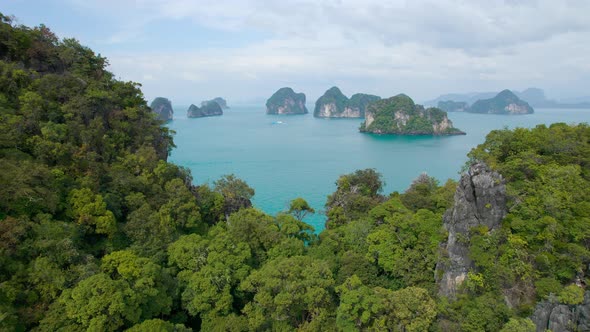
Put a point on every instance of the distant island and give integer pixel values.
(208, 108)
(286, 101)
(453, 106)
(535, 97)
(334, 104)
(222, 102)
(163, 107)
(504, 102)
(399, 115)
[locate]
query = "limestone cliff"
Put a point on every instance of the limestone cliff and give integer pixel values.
(163, 107)
(286, 101)
(505, 102)
(334, 104)
(557, 317)
(480, 200)
(400, 116)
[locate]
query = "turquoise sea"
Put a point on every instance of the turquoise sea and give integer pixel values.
(303, 156)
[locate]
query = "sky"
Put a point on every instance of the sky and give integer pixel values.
(244, 50)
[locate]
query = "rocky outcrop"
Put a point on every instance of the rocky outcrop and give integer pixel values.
(400, 116)
(163, 108)
(220, 101)
(208, 108)
(556, 317)
(334, 104)
(505, 102)
(286, 101)
(480, 200)
(453, 106)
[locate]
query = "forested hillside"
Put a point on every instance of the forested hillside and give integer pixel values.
(99, 232)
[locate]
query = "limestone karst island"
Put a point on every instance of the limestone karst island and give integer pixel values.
(506, 102)
(334, 104)
(399, 115)
(208, 108)
(163, 108)
(286, 101)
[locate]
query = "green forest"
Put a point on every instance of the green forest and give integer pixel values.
(99, 232)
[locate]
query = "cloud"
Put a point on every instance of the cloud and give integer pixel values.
(441, 23)
(385, 47)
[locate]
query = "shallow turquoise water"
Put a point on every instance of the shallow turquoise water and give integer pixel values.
(304, 156)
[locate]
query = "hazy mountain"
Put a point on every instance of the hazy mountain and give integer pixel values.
(534, 96)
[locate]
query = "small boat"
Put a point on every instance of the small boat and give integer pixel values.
(278, 122)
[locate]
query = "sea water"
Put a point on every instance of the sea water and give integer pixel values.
(288, 156)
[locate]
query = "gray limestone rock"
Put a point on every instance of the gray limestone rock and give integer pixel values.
(480, 200)
(556, 317)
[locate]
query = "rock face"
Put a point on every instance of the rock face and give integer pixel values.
(549, 315)
(334, 104)
(453, 106)
(400, 116)
(505, 102)
(208, 108)
(163, 107)
(480, 200)
(222, 102)
(286, 101)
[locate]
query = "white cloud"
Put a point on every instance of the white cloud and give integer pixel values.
(419, 47)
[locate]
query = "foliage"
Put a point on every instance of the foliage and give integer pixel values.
(291, 290)
(299, 208)
(399, 115)
(355, 195)
(362, 308)
(236, 193)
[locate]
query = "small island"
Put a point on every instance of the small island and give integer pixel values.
(220, 101)
(399, 115)
(453, 106)
(334, 104)
(504, 102)
(208, 108)
(163, 108)
(286, 101)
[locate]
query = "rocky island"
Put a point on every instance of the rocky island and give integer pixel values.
(208, 108)
(286, 101)
(504, 102)
(163, 107)
(220, 101)
(453, 106)
(399, 115)
(334, 104)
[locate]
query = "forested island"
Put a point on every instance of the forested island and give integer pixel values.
(399, 115)
(535, 97)
(505, 102)
(220, 101)
(286, 101)
(334, 104)
(99, 232)
(163, 108)
(208, 108)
